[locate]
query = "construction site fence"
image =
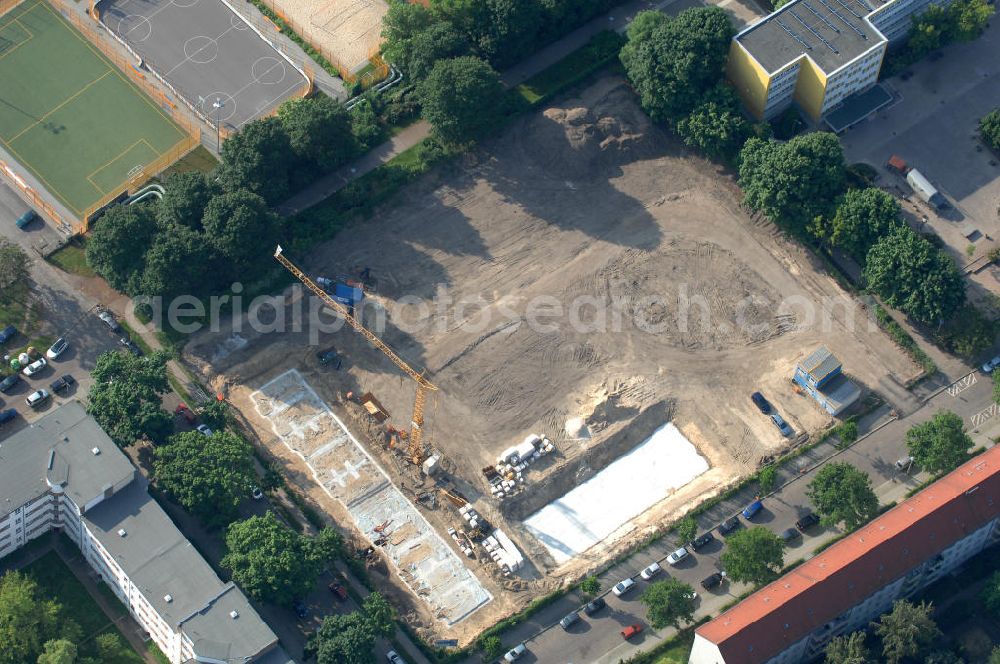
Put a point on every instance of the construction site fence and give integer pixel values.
(36, 199)
(380, 69)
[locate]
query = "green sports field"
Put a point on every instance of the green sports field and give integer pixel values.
(68, 114)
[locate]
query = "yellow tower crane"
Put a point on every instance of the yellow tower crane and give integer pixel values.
(415, 449)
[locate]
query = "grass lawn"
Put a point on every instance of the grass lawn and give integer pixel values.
(57, 582)
(83, 125)
(72, 258)
(677, 653)
(198, 159)
(600, 50)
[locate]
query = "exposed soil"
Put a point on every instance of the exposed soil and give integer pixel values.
(608, 275)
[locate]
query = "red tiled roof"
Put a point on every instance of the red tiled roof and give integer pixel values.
(822, 588)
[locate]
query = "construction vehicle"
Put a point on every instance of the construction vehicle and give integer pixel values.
(415, 448)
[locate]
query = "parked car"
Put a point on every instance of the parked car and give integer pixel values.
(750, 510)
(904, 462)
(109, 320)
(393, 658)
(729, 525)
(7, 415)
(763, 405)
(62, 383)
(569, 620)
(781, 424)
(34, 367)
(990, 365)
(713, 580)
(37, 398)
(339, 591)
(631, 631)
(203, 430)
(300, 609)
(623, 587)
(132, 346)
(808, 520)
(702, 541)
(650, 571)
(57, 349)
(677, 556)
(329, 356)
(594, 605)
(10, 381)
(515, 652)
(185, 412)
(789, 535)
(7, 334)
(26, 219)
(256, 493)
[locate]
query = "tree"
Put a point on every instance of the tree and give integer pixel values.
(989, 128)
(687, 529)
(242, 231)
(766, 478)
(271, 562)
(842, 493)
(58, 651)
(208, 475)
(111, 650)
(848, 649)
(380, 615)
(591, 585)
(673, 62)
(179, 262)
(215, 415)
(995, 655)
(117, 245)
(462, 98)
(911, 274)
(491, 646)
(906, 630)
(125, 397)
(754, 555)
(344, 639)
(28, 621)
(13, 264)
(862, 218)
(184, 199)
(968, 19)
(258, 157)
(717, 126)
(669, 602)
(364, 125)
(319, 131)
(940, 444)
(793, 182)
(990, 594)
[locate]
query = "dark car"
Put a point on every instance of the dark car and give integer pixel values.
(7, 415)
(594, 605)
(7, 334)
(329, 356)
(713, 580)
(339, 591)
(807, 521)
(131, 345)
(108, 318)
(701, 541)
(26, 219)
(300, 609)
(729, 525)
(62, 383)
(790, 535)
(570, 620)
(9, 382)
(750, 510)
(762, 404)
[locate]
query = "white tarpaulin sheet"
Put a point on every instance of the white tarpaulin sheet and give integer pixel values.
(589, 513)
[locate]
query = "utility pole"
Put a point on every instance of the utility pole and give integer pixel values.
(217, 105)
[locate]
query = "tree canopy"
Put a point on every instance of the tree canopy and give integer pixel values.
(754, 555)
(344, 639)
(380, 615)
(58, 651)
(842, 493)
(940, 444)
(258, 157)
(242, 229)
(125, 397)
(462, 98)
(716, 126)
(989, 128)
(669, 602)
(793, 182)
(116, 247)
(208, 475)
(28, 620)
(319, 132)
(673, 62)
(271, 562)
(906, 631)
(184, 199)
(862, 218)
(848, 649)
(911, 274)
(14, 264)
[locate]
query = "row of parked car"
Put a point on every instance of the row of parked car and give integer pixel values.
(40, 396)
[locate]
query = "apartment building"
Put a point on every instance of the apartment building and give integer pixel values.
(816, 52)
(845, 587)
(64, 473)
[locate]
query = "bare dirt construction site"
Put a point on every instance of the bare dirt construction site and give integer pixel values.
(347, 31)
(583, 268)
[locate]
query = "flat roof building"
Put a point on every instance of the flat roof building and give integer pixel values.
(855, 580)
(816, 52)
(64, 473)
(821, 376)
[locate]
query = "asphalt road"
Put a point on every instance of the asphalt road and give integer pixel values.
(597, 639)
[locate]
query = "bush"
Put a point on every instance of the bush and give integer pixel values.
(847, 432)
(968, 333)
(491, 646)
(766, 478)
(591, 585)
